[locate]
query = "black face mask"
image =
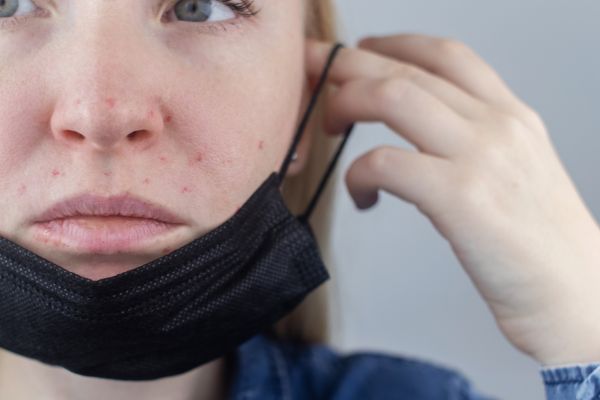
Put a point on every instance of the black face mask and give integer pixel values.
(176, 312)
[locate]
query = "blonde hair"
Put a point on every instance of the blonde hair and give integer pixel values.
(310, 322)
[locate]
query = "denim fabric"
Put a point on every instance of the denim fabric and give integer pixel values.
(575, 381)
(268, 369)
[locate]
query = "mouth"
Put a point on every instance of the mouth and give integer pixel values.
(105, 225)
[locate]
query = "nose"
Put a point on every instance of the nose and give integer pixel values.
(104, 123)
(109, 94)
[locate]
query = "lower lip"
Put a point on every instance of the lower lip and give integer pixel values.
(102, 235)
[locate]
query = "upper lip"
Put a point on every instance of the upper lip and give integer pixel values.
(125, 205)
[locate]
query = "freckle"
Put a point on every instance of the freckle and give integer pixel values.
(110, 102)
(185, 189)
(55, 172)
(108, 174)
(168, 119)
(261, 144)
(22, 189)
(146, 181)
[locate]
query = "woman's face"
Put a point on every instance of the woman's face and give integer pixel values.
(131, 96)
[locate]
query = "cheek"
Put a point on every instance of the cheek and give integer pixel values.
(19, 98)
(241, 120)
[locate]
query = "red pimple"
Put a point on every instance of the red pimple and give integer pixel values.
(185, 189)
(108, 174)
(146, 181)
(110, 102)
(163, 158)
(198, 158)
(168, 119)
(55, 172)
(261, 144)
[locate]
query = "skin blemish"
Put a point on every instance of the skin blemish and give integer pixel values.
(78, 101)
(55, 172)
(198, 158)
(185, 189)
(168, 119)
(166, 250)
(22, 189)
(151, 114)
(146, 181)
(163, 158)
(261, 144)
(108, 174)
(110, 102)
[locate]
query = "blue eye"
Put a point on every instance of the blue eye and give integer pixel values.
(203, 11)
(9, 8)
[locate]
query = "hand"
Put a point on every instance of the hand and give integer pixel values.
(487, 177)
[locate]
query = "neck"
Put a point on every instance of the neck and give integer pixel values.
(22, 378)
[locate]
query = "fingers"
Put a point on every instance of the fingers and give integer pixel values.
(415, 177)
(351, 64)
(451, 60)
(404, 107)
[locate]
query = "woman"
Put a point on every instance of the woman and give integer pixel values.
(188, 103)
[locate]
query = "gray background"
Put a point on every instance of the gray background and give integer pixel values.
(401, 289)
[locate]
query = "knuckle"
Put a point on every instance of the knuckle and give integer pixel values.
(535, 118)
(470, 189)
(509, 124)
(452, 47)
(376, 160)
(390, 91)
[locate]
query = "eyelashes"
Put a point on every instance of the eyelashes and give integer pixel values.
(246, 8)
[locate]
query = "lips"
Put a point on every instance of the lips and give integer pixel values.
(104, 225)
(91, 205)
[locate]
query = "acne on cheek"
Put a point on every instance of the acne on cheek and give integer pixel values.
(110, 102)
(55, 172)
(22, 189)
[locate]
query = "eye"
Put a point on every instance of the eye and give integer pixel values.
(203, 11)
(9, 8)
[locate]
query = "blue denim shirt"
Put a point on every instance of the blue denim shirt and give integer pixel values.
(267, 369)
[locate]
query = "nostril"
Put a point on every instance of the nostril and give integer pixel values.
(138, 135)
(73, 135)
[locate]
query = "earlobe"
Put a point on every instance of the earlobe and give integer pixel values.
(303, 148)
(297, 164)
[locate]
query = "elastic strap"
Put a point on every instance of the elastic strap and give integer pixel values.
(302, 127)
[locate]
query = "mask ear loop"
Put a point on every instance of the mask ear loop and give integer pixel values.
(304, 216)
